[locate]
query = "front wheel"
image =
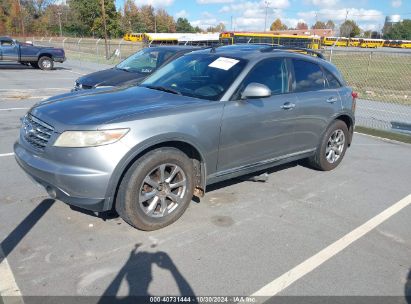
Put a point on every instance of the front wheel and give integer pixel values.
(332, 147)
(46, 63)
(156, 190)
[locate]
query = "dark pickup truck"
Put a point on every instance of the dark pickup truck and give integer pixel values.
(26, 53)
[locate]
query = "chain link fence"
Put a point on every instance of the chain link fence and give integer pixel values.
(382, 77)
(88, 49)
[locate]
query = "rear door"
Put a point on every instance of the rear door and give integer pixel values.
(317, 102)
(256, 130)
(9, 50)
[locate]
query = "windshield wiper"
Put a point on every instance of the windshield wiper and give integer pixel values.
(123, 69)
(164, 89)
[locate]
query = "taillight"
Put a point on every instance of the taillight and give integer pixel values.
(354, 100)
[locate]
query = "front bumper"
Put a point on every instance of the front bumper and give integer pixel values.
(74, 185)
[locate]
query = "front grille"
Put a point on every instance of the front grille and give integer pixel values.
(36, 132)
(86, 87)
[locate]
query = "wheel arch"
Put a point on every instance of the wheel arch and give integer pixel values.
(349, 121)
(45, 54)
(184, 145)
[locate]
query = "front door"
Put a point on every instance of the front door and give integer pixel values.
(9, 50)
(256, 130)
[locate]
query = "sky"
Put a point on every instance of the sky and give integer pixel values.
(249, 15)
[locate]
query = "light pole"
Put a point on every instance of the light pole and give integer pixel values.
(61, 30)
(105, 26)
(267, 3)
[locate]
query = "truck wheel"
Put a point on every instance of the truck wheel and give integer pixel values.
(156, 190)
(332, 147)
(46, 63)
(34, 65)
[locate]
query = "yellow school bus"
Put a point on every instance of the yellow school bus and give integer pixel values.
(335, 41)
(371, 43)
(133, 37)
(354, 42)
(310, 42)
(405, 44)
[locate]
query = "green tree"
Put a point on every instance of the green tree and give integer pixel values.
(183, 26)
(330, 24)
(89, 17)
(319, 25)
(165, 22)
(277, 25)
(400, 31)
(349, 29)
(302, 26)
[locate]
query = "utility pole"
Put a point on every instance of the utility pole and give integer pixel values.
(21, 18)
(103, 10)
(231, 23)
(267, 3)
(61, 30)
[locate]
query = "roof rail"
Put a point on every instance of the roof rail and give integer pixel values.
(292, 48)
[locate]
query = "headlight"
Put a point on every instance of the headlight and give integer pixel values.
(80, 139)
(77, 85)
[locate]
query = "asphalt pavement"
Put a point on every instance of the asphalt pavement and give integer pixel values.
(242, 237)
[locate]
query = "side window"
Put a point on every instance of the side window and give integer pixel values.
(270, 72)
(308, 76)
(6, 42)
(333, 83)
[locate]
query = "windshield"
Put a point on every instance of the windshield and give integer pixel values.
(145, 61)
(206, 76)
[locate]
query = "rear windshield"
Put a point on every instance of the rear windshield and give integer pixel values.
(205, 76)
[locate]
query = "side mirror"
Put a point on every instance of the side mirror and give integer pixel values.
(255, 90)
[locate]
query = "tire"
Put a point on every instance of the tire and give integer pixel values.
(150, 214)
(320, 160)
(46, 63)
(34, 65)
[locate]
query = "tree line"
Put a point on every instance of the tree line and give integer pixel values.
(349, 28)
(83, 18)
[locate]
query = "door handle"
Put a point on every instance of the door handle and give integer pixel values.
(332, 99)
(288, 106)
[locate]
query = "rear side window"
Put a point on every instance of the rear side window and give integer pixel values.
(333, 83)
(308, 76)
(270, 72)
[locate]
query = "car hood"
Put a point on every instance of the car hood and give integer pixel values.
(110, 77)
(78, 111)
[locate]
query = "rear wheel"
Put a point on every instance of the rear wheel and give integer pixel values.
(156, 190)
(332, 147)
(46, 63)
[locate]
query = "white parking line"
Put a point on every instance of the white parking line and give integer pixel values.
(288, 278)
(12, 109)
(30, 90)
(6, 154)
(8, 285)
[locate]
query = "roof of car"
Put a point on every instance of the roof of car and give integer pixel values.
(5, 38)
(255, 51)
(175, 48)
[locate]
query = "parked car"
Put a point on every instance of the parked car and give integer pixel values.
(134, 69)
(27, 53)
(205, 117)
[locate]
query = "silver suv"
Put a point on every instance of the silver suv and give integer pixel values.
(208, 116)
